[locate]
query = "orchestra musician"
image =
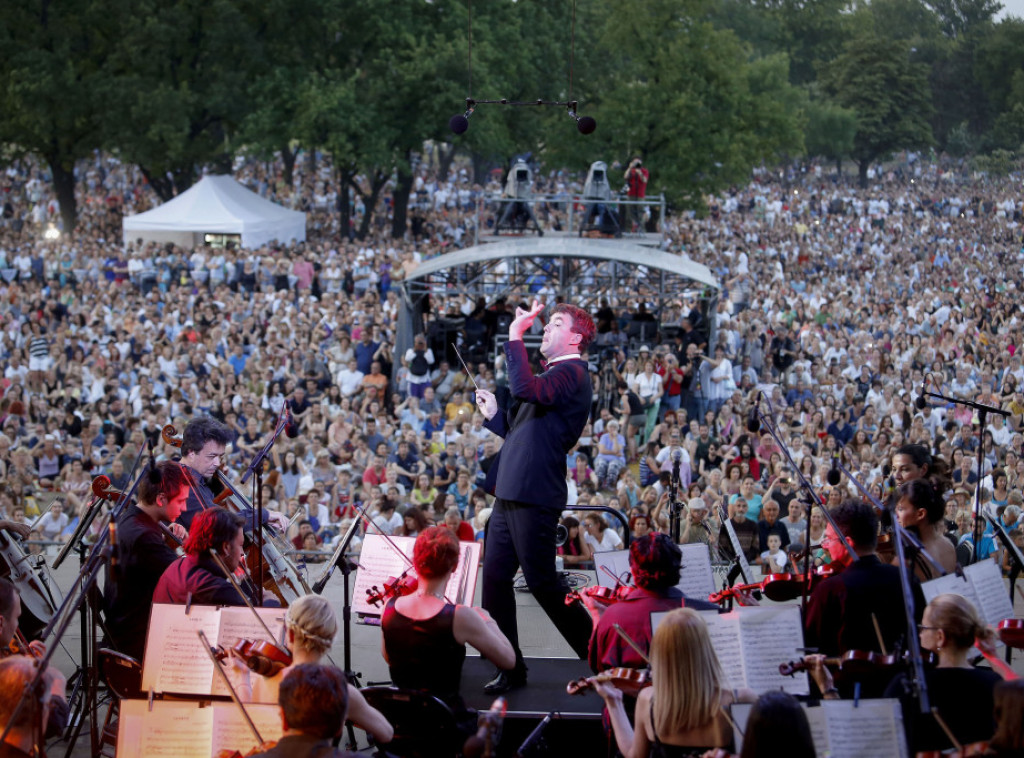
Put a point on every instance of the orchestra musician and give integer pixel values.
(921, 510)
(424, 636)
(17, 671)
(683, 712)
(195, 577)
(655, 562)
(203, 443)
(57, 712)
(844, 610)
(547, 416)
(311, 627)
(144, 555)
(314, 702)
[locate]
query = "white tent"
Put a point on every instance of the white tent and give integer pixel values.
(216, 205)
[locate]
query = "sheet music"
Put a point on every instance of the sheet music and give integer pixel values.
(841, 730)
(696, 580)
(993, 596)
(982, 585)
(239, 623)
(871, 727)
(175, 660)
(617, 563)
(724, 630)
(772, 635)
(231, 732)
(378, 561)
(175, 729)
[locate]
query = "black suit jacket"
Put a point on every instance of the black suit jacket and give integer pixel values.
(545, 420)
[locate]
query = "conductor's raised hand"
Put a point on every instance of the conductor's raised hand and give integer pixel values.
(523, 320)
(487, 403)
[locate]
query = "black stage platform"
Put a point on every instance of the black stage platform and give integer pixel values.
(576, 726)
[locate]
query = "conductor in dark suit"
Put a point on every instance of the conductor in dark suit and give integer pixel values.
(547, 415)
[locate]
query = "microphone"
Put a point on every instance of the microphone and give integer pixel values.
(534, 741)
(833, 475)
(753, 421)
(291, 429)
(459, 123)
(920, 403)
(677, 455)
(585, 125)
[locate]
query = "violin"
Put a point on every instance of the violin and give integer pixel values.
(19, 646)
(965, 751)
(779, 587)
(857, 663)
(262, 657)
(630, 681)
(280, 576)
(261, 748)
(604, 595)
(1011, 632)
(393, 587)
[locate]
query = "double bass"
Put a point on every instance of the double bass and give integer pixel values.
(280, 575)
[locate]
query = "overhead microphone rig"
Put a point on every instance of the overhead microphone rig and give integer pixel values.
(459, 123)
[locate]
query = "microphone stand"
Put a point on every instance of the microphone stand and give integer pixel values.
(673, 490)
(256, 467)
(913, 642)
(983, 411)
(769, 425)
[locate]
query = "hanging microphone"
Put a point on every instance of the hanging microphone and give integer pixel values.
(677, 455)
(754, 420)
(291, 429)
(833, 475)
(920, 403)
(459, 123)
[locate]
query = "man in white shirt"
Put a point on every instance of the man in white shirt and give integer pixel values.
(350, 379)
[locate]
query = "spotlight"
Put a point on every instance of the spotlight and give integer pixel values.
(51, 233)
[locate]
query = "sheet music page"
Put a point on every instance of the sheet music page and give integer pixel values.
(771, 635)
(174, 729)
(239, 623)
(617, 563)
(953, 584)
(696, 580)
(231, 732)
(461, 587)
(990, 588)
(724, 630)
(872, 727)
(175, 660)
(815, 717)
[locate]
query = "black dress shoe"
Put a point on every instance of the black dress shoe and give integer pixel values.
(505, 681)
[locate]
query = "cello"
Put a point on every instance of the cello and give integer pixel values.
(36, 597)
(280, 575)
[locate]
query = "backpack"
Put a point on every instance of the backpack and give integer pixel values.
(418, 365)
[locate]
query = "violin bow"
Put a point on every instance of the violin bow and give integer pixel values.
(234, 583)
(227, 683)
(629, 641)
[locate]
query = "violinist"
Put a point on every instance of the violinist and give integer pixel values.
(655, 562)
(57, 712)
(684, 711)
(310, 629)
(144, 555)
(916, 462)
(203, 443)
(196, 577)
(920, 510)
(314, 703)
(962, 694)
(424, 635)
(843, 609)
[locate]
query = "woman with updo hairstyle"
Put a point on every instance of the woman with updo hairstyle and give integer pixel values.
(685, 707)
(310, 626)
(424, 634)
(921, 511)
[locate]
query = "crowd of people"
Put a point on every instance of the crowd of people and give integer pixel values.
(839, 307)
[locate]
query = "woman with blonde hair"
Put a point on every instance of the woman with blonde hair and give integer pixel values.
(310, 628)
(684, 710)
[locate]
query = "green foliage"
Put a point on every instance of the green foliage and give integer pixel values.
(888, 92)
(998, 162)
(830, 130)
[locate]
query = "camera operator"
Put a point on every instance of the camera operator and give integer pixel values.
(636, 189)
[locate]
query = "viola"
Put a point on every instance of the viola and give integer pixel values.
(18, 646)
(630, 681)
(604, 595)
(1011, 632)
(856, 663)
(393, 587)
(264, 658)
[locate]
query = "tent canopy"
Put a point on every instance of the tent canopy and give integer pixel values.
(216, 205)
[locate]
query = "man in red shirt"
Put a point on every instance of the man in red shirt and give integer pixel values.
(636, 189)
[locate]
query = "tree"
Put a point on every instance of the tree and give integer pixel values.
(830, 131)
(888, 92)
(52, 71)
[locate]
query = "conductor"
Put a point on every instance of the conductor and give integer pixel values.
(545, 419)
